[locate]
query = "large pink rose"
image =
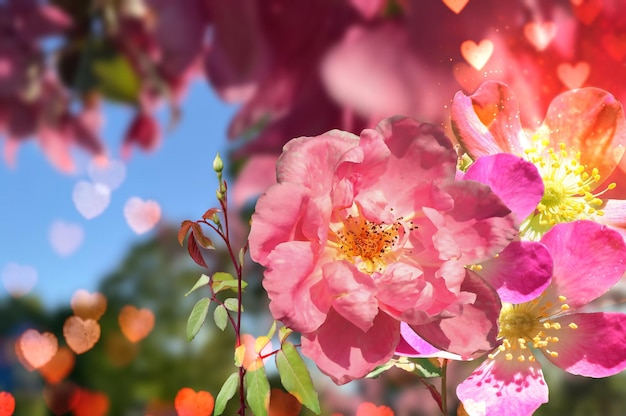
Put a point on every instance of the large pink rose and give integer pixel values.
(361, 233)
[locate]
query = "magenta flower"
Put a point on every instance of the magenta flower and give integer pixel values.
(588, 259)
(579, 145)
(361, 233)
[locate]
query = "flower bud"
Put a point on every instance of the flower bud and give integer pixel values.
(218, 165)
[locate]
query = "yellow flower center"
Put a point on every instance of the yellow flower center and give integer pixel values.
(525, 325)
(368, 244)
(568, 187)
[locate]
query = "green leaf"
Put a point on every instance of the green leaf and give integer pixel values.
(228, 284)
(422, 367)
(375, 373)
(272, 330)
(197, 317)
(295, 377)
(221, 276)
(426, 367)
(257, 389)
(242, 253)
(116, 78)
(228, 390)
(202, 281)
(232, 304)
(221, 317)
(283, 333)
(223, 281)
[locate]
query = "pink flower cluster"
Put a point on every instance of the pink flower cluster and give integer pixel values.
(362, 233)
(574, 151)
(390, 243)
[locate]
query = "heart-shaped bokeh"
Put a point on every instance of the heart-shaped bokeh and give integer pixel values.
(108, 172)
(88, 305)
(81, 334)
(587, 10)
(7, 403)
(573, 76)
(135, 323)
(540, 34)
(91, 403)
(141, 215)
(59, 366)
(370, 409)
(188, 402)
(456, 5)
(91, 199)
(475, 54)
(65, 238)
(19, 279)
(37, 348)
(468, 78)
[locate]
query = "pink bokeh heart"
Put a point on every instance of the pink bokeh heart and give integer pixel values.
(19, 279)
(108, 172)
(91, 199)
(65, 238)
(141, 215)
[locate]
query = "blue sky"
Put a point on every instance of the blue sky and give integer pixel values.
(178, 176)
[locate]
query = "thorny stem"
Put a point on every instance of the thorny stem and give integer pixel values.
(239, 271)
(444, 395)
(224, 234)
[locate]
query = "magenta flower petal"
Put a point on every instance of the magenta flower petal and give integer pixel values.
(595, 348)
(487, 122)
(480, 313)
(520, 273)
(589, 258)
(500, 387)
(516, 181)
(412, 345)
(344, 352)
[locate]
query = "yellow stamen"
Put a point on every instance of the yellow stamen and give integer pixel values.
(568, 188)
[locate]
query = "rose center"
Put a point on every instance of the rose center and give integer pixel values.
(367, 243)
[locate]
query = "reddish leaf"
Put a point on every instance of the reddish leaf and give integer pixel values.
(184, 229)
(194, 251)
(201, 239)
(209, 214)
(434, 393)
